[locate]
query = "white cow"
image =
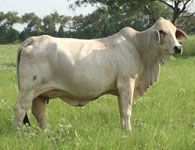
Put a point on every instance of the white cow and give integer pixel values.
(78, 71)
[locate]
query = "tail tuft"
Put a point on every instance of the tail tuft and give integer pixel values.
(26, 120)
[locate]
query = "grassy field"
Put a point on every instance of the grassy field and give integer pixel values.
(163, 119)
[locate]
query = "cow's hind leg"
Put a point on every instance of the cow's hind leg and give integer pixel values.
(38, 110)
(21, 107)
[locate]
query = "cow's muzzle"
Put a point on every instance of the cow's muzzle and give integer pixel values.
(178, 50)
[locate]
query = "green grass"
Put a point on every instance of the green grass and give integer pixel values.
(164, 118)
(189, 46)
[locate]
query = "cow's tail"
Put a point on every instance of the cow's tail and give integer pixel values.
(24, 44)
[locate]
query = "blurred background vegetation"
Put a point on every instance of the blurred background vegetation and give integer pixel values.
(109, 17)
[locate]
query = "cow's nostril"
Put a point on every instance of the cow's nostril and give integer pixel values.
(178, 49)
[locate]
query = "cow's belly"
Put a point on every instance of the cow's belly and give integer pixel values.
(85, 89)
(67, 97)
(73, 99)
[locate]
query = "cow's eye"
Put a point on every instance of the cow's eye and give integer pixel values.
(162, 32)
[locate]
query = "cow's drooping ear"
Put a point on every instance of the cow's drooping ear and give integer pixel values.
(180, 35)
(156, 35)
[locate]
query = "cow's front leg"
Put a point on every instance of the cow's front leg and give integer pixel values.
(126, 89)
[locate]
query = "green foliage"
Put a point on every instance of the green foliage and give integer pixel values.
(49, 24)
(33, 25)
(92, 26)
(148, 7)
(7, 33)
(164, 118)
(129, 6)
(102, 23)
(53, 24)
(189, 46)
(113, 15)
(11, 17)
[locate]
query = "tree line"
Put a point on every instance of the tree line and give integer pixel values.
(109, 18)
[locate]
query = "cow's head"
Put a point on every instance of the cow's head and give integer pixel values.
(168, 36)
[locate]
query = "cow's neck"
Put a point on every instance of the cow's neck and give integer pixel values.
(148, 50)
(149, 55)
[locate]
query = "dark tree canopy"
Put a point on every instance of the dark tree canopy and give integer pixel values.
(7, 33)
